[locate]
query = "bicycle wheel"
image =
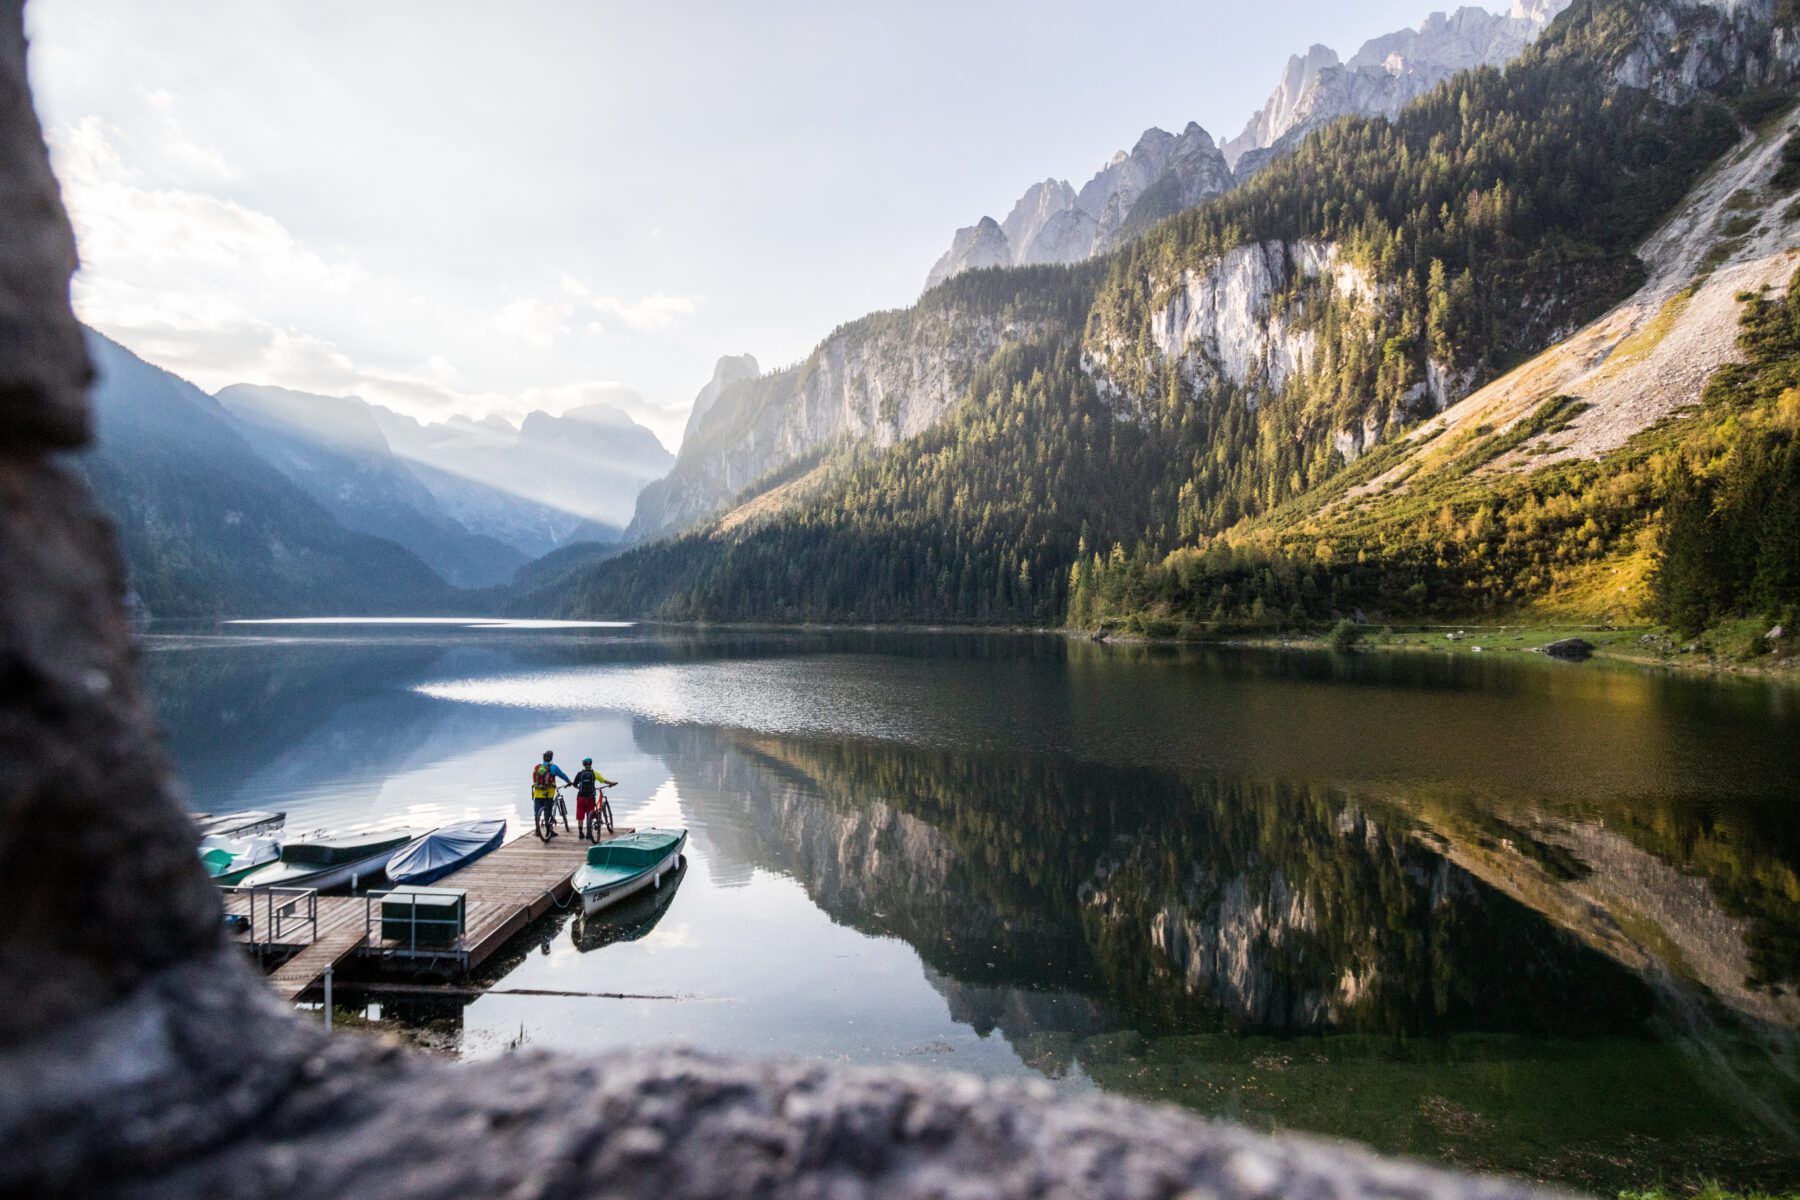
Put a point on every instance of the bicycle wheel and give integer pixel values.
(540, 821)
(603, 815)
(562, 807)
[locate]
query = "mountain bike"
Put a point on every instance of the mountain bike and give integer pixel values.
(543, 815)
(600, 816)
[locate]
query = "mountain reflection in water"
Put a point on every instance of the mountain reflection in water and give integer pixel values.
(1505, 914)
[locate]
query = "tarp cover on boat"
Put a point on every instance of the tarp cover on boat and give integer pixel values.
(645, 848)
(444, 850)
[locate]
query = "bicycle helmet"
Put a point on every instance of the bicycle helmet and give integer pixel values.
(587, 762)
(548, 755)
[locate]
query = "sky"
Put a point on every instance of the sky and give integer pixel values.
(449, 206)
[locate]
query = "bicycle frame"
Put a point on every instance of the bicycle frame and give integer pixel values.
(600, 815)
(547, 814)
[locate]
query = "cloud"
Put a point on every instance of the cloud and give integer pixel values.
(658, 310)
(219, 292)
(545, 322)
(535, 322)
(128, 230)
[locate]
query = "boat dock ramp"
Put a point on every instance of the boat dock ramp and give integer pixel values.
(306, 934)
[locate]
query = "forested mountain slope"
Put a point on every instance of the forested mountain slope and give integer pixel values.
(1227, 376)
(872, 383)
(210, 529)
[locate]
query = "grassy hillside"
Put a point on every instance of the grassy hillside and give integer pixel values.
(1695, 522)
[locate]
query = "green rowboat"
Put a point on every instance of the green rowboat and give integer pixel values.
(229, 859)
(622, 866)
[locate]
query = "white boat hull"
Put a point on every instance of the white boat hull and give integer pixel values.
(327, 878)
(595, 899)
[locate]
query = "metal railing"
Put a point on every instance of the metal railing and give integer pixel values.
(376, 923)
(284, 911)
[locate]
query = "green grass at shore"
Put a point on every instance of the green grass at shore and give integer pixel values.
(1602, 1114)
(1734, 646)
(1705, 1191)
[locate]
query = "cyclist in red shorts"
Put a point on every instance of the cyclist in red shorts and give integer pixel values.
(585, 783)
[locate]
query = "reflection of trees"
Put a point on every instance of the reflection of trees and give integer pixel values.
(1183, 903)
(1748, 857)
(867, 863)
(1152, 930)
(1285, 907)
(1698, 898)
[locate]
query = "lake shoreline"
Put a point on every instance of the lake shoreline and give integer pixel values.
(1617, 645)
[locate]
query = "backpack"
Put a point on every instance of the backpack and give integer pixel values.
(540, 776)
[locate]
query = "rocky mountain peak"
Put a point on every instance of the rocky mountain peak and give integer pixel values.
(1152, 141)
(1540, 11)
(1193, 136)
(1385, 74)
(982, 244)
(602, 415)
(1054, 223)
(1163, 172)
(729, 370)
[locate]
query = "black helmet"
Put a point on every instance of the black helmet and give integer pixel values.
(587, 762)
(548, 755)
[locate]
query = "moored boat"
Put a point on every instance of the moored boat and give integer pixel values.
(229, 859)
(631, 919)
(622, 866)
(430, 858)
(332, 860)
(252, 822)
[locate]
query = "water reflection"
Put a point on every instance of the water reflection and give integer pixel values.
(630, 919)
(1506, 914)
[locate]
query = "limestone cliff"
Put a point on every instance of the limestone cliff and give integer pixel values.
(730, 369)
(873, 382)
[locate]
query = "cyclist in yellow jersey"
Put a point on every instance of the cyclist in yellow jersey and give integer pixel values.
(543, 792)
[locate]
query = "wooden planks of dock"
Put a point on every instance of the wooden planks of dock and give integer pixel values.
(507, 890)
(291, 979)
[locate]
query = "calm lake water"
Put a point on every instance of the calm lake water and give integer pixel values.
(1495, 911)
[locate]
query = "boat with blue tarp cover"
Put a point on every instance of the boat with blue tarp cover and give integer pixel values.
(622, 866)
(430, 858)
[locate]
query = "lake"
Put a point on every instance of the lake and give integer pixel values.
(1494, 910)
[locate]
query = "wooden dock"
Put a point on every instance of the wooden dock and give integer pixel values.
(507, 890)
(291, 979)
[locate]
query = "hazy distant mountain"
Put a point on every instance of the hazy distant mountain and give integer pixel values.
(1053, 223)
(1385, 75)
(538, 485)
(210, 528)
(334, 450)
